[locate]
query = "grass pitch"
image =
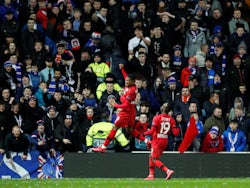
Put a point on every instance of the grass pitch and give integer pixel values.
(126, 183)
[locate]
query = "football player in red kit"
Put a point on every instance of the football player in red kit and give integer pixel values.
(161, 126)
(126, 112)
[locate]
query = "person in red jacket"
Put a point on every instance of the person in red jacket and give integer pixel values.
(160, 129)
(213, 141)
(126, 112)
(187, 71)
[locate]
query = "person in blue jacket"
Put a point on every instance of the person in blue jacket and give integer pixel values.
(234, 139)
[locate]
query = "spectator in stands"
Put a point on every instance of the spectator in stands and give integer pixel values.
(28, 38)
(141, 125)
(85, 31)
(32, 113)
(207, 74)
(5, 7)
(237, 37)
(156, 95)
(26, 94)
(187, 71)
(66, 136)
(235, 75)
(210, 104)
(194, 38)
(170, 93)
(42, 141)
(142, 66)
(8, 77)
(237, 18)
(89, 98)
(16, 117)
(213, 141)
(175, 141)
(99, 19)
(85, 60)
(109, 78)
(7, 98)
(58, 82)
(106, 93)
(69, 69)
(215, 119)
(72, 39)
(16, 142)
(51, 120)
(87, 117)
(234, 139)
(59, 102)
(185, 104)
(35, 77)
(94, 42)
(138, 40)
(243, 123)
(89, 78)
(178, 62)
(10, 24)
(159, 43)
(238, 103)
(76, 19)
(39, 54)
(42, 90)
(195, 88)
(201, 55)
(48, 72)
(99, 67)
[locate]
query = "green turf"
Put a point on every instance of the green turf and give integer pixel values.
(126, 183)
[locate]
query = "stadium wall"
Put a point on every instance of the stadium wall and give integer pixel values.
(135, 165)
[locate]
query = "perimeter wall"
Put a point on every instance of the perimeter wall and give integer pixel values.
(135, 165)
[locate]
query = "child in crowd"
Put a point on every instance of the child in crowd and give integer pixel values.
(213, 141)
(234, 139)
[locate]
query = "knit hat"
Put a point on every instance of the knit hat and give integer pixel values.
(32, 97)
(51, 107)
(96, 36)
(214, 130)
(177, 47)
(236, 56)
(242, 45)
(40, 122)
(171, 80)
(67, 55)
(68, 116)
(192, 59)
(111, 97)
(7, 64)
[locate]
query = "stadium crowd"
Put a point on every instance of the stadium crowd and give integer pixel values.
(61, 63)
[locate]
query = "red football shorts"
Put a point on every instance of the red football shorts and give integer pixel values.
(158, 146)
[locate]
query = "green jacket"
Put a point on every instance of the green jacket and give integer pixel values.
(98, 132)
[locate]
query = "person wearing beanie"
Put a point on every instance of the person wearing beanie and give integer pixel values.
(69, 68)
(41, 140)
(8, 77)
(66, 135)
(213, 141)
(187, 71)
(99, 67)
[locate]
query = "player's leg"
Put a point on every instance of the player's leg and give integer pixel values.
(151, 169)
(157, 152)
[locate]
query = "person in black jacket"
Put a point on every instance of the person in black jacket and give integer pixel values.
(16, 142)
